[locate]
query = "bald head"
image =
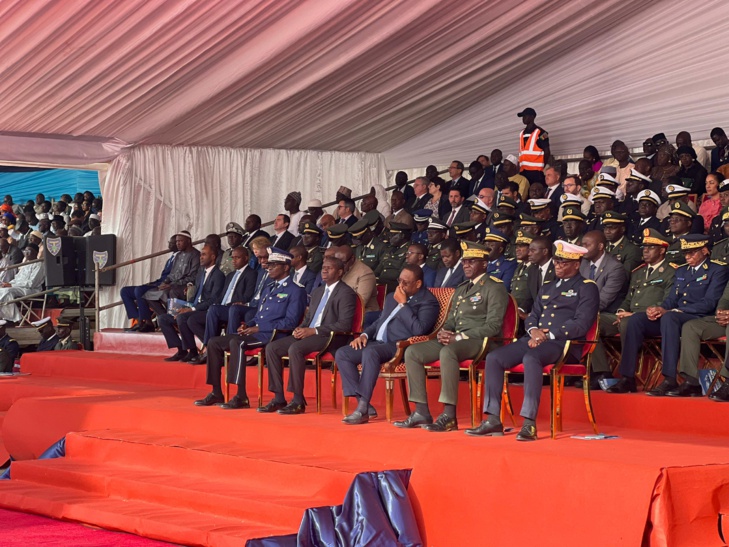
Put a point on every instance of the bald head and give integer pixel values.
(594, 242)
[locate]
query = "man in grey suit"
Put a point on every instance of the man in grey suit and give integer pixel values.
(184, 272)
(411, 310)
(459, 210)
(605, 270)
(331, 309)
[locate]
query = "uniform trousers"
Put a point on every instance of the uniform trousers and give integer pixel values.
(371, 358)
(134, 303)
(217, 315)
(237, 345)
(419, 355)
(296, 351)
(607, 330)
(189, 326)
(668, 327)
(534, 359)
(692, 333)
(238, 315)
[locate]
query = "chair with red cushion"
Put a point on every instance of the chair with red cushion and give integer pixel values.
(381, 294)
(557, 372)
(260, 354)
(475, 366)
(394, 369)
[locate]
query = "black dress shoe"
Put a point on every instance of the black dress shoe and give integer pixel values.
(135, 328)
(624, 385)
(236, 402)
(664, 387)
(372, 412)
(190, 357)
(146, 328)
(442, 423)
(201, 359)
(685, 390)
(487, 429)
(293, 408)
(356, 418)
(721, 395)
(527, 433)
(595, 379)
(414, 420)
(179, 356)
(273, 406)
(210, 400)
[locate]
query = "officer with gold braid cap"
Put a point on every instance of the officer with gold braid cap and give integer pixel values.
(565, 309)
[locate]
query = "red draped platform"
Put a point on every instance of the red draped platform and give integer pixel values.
(142, 458)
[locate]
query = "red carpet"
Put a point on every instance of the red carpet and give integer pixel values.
(142, 458)
(22, 529)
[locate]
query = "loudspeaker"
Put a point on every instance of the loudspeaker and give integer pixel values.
(70, 261)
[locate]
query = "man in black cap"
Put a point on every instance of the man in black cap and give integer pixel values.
(573, 225)
(63, 330)
(311, 239)
(534, 152)
(613, 226)
(679, 224)
(368, 249)
(692, 173)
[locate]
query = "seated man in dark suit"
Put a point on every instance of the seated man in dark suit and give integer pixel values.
(237, 291)
(564, 310)
(411, 310)
(282, 237)
(416, 255)
(299, 272)
(281, 306)
(247, 310)
(451, 275)
(605, 270)
(208, 289)
(331, 310)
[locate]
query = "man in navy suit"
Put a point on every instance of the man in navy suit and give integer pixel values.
(299, 272)
(416, 255)
(208, 290)
(238, 289)
(134, 303)
(452, 274)
(281, 306)
(411, 310)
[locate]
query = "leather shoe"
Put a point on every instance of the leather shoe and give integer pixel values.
(293, 408)
(236, 402)
(179, 356)
(487, 429)
(273, 406)
(664, 387)
(595, 380)
(685, 390)
(372, 412)
(135, 328)
(721, 395)
(190, 357)
(528, 432)
(146, 328)
(200, 359)
(443, 423)
(624, 385)
(356, 418)
(414, 420)
(210, 400)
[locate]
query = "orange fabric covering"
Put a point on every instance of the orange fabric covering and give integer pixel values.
(212, 477)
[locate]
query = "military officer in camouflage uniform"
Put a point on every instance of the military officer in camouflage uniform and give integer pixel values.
(235, 234)
(9, 349)
(520, 281)
(388, 271)
(63, 330)
(720, 250)
(477, 311)
(650, 284)
(696, 290)
(311, 239)
(367, 249)
(614, 226)
(437, 233)
(679, 222)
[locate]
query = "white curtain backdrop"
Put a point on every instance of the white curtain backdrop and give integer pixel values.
(151, 192)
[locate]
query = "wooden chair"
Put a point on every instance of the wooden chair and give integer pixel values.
(475, 366)
(394, 369)
(557, 372)
(381, 294)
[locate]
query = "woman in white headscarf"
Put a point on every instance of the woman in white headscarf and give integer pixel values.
(383, 203)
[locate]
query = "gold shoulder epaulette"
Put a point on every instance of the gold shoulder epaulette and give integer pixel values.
(719, 262)
(496, 279)
(638, 268)
(588, 281)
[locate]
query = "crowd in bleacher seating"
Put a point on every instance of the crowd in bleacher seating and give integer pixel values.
(636, 245)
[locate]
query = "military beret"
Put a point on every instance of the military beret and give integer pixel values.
(682, 208)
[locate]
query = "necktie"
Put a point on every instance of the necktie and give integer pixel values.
(649, 272)
(593, 268)
(316, 321)
(229, 293)
(198, 294)
(447, 275)
(450, 218)
(469, 286)
(382, 332)
(296, 277)
(610, 247)
(542, 274)
(261, 285)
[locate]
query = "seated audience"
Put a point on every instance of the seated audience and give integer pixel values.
(28, 280)
(415, 256)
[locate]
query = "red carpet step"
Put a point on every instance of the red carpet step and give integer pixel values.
(131, 343)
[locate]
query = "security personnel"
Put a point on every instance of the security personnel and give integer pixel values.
(720, 250)
(476, 311)
(697, 288)
(679, 194)
(505, 223)
(542, 210)
(648, 204)
(388, 271)
(499, 266)
(63, 330)
(533, 147)
(480, 215)
(421, 218)
(9, 349)
(311, 239)
(679, 222)
(565, 309)
(235, 233)
(49, 338)
(281, 307)
(520, 281)
(465, 231)
(573, 225)
(603, 200)
(367, 249)
(338, 235)
(614, 226)
(650, 284)
(437, 233)
(530, 225)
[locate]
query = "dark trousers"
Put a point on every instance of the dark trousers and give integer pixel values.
(371, 357)
(236, 344)
(238, 315)
(502, 359)
(668, 327)
(185, 322)
(135, 304)
(370, 317)
(296, 351)
(217, 316)
(175, 291)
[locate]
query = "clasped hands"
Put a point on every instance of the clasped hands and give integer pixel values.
(722, 317)
(537, 336)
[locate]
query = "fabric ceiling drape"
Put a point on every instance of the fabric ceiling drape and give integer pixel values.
(152, 192)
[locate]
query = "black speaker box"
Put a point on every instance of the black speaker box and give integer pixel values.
(70, 261)
(60, 261)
